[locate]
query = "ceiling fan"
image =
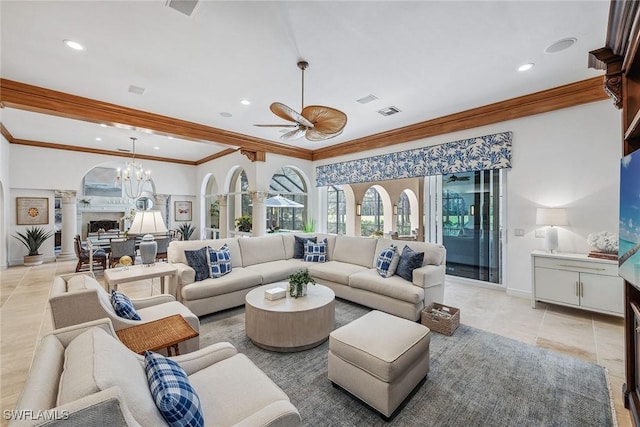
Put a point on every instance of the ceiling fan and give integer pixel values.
(314, 122)
(454, 178)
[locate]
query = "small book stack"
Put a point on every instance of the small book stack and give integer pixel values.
(603, 255)
(275, 293)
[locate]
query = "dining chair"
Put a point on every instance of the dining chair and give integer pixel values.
(84, 259)
(120, 248)
(163, 245)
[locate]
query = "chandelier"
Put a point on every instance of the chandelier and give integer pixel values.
(133, 177)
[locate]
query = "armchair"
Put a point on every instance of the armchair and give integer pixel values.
(84, 376)
(79, 298)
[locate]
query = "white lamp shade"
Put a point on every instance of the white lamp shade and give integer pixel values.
(556, 216)
(148, 222)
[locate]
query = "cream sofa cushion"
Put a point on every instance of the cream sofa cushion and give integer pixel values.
(83, 282)
(394, 286)
(355, 250)
(236, 379)
(96, 361)
(239, 278)
(333, 271)
(277, 271)
(257, 250)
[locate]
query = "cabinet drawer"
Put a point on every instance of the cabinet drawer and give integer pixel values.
(608, 269)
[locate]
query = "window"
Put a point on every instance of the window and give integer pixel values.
(403, 222)
(288, 184)
(372, 218)
(336, 210)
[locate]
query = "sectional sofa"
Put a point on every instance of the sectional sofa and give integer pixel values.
(349, 271)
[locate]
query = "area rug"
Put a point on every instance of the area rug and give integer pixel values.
(476, 379)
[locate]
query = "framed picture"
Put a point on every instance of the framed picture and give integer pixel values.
(182, 211)
(32, 210)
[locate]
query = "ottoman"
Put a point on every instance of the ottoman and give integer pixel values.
(379, 358)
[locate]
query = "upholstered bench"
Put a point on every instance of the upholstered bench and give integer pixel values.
(380, 359)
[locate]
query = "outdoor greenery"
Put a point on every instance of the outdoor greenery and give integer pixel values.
(33, 238)
(244, 223)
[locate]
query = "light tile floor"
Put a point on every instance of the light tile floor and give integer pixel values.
(25, 318)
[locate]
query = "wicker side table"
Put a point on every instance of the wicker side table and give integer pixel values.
(166, 332)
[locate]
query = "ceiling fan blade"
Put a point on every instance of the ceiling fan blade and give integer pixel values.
(326, 120)
(294, 134)
(287, 113)
(314, 135)
(277, 126)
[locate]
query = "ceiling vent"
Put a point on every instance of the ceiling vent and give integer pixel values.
(367, 99)
(389, 111)
(136, 89)
(183, 6)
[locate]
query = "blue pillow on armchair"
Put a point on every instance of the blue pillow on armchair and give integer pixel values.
(123, 306)
(409, 261)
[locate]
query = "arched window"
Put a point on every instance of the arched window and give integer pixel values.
(336, 210)
(212, 209)
(403, 221)
(239, 198)
(372, 213)
(286, 184)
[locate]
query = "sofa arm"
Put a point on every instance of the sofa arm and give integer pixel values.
(107, 407)
(204, 357)
(185, 275)
(431, 279)
(151, 301)
(281, 413)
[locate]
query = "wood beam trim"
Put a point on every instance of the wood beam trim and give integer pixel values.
(570, 95)
(32, 98)
(5, 132)
(216, 156)
(98, 151)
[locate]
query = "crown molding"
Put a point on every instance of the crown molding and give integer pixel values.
(41, 100)
(569, 95)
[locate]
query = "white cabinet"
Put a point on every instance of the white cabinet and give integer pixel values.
(578, 281)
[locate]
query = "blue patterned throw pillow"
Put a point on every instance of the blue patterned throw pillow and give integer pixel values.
(387, 261)
(172, 393)
(409, 261)
(219, 261)
(298, 248)
(123, 306)
(198, 261)
(315, 252)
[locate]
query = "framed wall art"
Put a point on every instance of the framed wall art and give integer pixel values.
(182, 211)
(32, 210)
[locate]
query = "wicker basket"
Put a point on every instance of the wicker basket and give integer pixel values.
(439, 324)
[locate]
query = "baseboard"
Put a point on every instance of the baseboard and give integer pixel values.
(519, 293)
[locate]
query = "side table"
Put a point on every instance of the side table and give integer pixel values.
(166, 332)
(116, 276)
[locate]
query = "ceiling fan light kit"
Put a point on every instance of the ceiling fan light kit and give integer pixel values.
(315, 122)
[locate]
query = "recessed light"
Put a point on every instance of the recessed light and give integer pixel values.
(103, 125)
(225, 114)
(98, 139)
(561, 45)
(156, 148)
(245, 102)
(170, 137)
(73, 45)
(526, 67)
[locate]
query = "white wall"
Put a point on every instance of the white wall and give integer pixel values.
(4, 201)
(567, 158)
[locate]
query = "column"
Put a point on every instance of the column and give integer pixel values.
(259, 218)
(224, 215)
(69, 225)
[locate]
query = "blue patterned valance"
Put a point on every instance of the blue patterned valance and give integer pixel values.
(474, 154)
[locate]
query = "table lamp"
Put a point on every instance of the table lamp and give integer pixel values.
(551, 218)
(148, 223)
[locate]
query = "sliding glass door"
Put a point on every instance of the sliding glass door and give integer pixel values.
(464, 213)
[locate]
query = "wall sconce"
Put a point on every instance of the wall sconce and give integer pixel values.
(551, 217)
(395, 209)
(358, 209)
(472, 210)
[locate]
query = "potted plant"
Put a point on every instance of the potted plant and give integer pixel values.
(186, 230)
(244, 223)
(32, 239)
(298, 282)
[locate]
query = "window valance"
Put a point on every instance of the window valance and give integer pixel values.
(474, 154)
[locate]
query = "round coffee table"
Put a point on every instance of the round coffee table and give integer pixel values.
(290, 324)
